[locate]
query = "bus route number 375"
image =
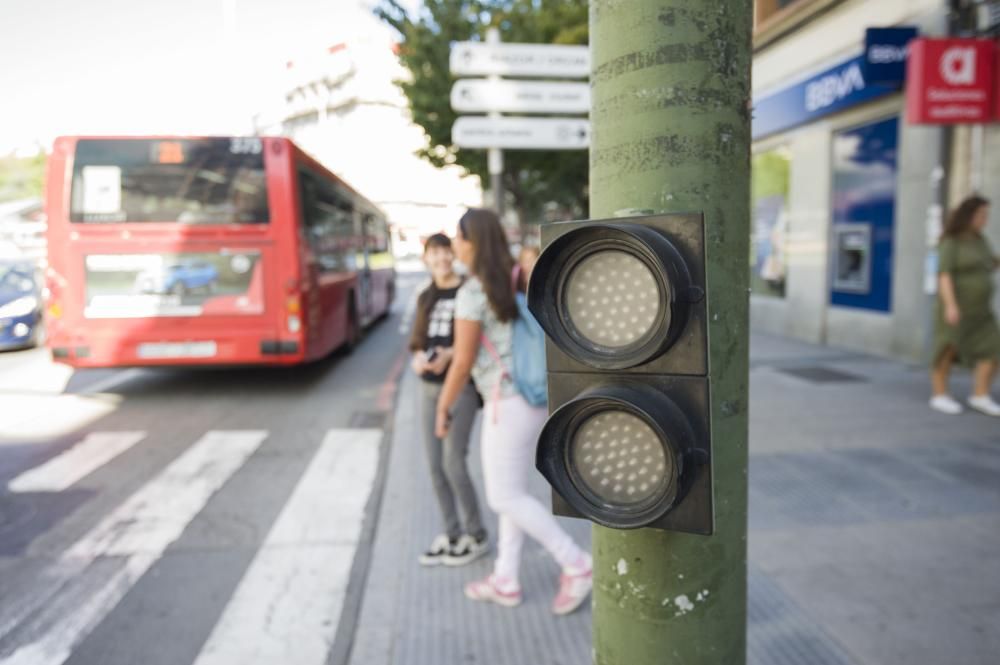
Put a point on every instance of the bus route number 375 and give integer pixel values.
(245, 145)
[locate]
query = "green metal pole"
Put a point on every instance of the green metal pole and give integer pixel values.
(671, 133)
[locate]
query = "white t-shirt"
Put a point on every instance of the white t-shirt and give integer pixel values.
(492, 381)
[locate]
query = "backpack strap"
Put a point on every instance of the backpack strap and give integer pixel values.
(492, 350)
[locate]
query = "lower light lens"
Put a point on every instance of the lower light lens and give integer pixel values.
(620, 459)
(612, 298)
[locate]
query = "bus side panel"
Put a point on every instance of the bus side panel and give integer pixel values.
(336, 293)
(383, 282)
(326, 298)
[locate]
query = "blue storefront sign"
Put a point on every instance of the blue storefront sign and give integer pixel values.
(885, 54)
(833, 90)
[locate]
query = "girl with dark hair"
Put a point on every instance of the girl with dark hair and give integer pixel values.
(966, 330)
(432, 346)
(484, 312)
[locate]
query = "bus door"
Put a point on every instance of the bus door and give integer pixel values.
(365, 305)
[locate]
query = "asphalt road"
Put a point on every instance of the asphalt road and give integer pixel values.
(165, 516)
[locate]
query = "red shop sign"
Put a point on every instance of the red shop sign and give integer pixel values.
(950, 81)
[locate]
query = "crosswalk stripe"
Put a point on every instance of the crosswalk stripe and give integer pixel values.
(66, 469)
(138, 532)
(291, 596)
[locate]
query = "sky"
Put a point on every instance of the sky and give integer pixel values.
(154, 66)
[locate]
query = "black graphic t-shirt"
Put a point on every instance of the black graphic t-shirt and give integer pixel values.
(438, 327)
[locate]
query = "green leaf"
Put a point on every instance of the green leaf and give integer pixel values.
(543, 184)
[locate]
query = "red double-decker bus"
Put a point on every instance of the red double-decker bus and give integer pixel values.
(207, 251)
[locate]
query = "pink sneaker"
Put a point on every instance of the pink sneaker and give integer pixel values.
(490, 589)
(573, 590)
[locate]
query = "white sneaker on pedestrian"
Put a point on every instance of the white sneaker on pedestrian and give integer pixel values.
(495, 590)
(946, 404)
(436, 553)
(466, 550)
(984, 404)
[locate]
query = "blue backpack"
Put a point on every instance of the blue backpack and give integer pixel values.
(528, 344)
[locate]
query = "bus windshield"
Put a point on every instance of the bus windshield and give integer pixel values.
(191, 181)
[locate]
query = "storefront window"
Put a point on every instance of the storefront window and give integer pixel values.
(768, 243)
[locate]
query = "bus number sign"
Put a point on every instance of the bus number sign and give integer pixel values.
(245, 145)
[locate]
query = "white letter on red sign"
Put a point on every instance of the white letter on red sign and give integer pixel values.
(958, 65)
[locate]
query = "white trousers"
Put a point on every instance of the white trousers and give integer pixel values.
(510, 432)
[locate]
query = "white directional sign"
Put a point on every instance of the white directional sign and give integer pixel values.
(521, 133)
(483, 59)
(482, 95)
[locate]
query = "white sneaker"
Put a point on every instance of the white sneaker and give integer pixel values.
(946, 404)
(466, 550)
(984, 404)
(436, 553)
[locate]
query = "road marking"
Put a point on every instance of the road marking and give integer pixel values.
(138, 532)
(289, 600)
(67, 468)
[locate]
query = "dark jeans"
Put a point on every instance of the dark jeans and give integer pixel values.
(447, 460)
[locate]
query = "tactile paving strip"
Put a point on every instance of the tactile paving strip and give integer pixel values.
(780, 633)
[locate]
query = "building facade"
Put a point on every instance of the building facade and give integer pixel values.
(343, 107)
(848, 197)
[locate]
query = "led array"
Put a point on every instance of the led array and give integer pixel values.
(619, 457)
(612, 298)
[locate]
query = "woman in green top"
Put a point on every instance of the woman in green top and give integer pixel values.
(966, 330)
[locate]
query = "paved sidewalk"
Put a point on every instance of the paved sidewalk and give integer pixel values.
(874, 533)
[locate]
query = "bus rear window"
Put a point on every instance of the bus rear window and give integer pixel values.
(190, 181)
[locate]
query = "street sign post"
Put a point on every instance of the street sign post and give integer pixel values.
(492, 58)
(543, 60)
(521, 133)
(481, 95)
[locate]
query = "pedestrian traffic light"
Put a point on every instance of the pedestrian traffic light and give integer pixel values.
(623, 304)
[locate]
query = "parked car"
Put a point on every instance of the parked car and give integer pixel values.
(179, 279)
(20, 305)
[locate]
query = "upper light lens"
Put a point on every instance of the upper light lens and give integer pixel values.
(620, 459)
(612, 298)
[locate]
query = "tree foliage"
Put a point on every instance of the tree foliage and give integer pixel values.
(538, 181)
(21, 177)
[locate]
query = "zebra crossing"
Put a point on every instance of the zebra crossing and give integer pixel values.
(287, 605)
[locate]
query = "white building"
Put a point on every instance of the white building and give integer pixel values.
(342, 106)
(846, 215)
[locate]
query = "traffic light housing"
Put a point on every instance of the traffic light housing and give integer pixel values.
(623, 305)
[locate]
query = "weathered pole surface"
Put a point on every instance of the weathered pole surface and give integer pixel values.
(671, 133)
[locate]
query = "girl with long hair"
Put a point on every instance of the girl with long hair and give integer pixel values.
(432, 346)
(966, 330)
(485, 310)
